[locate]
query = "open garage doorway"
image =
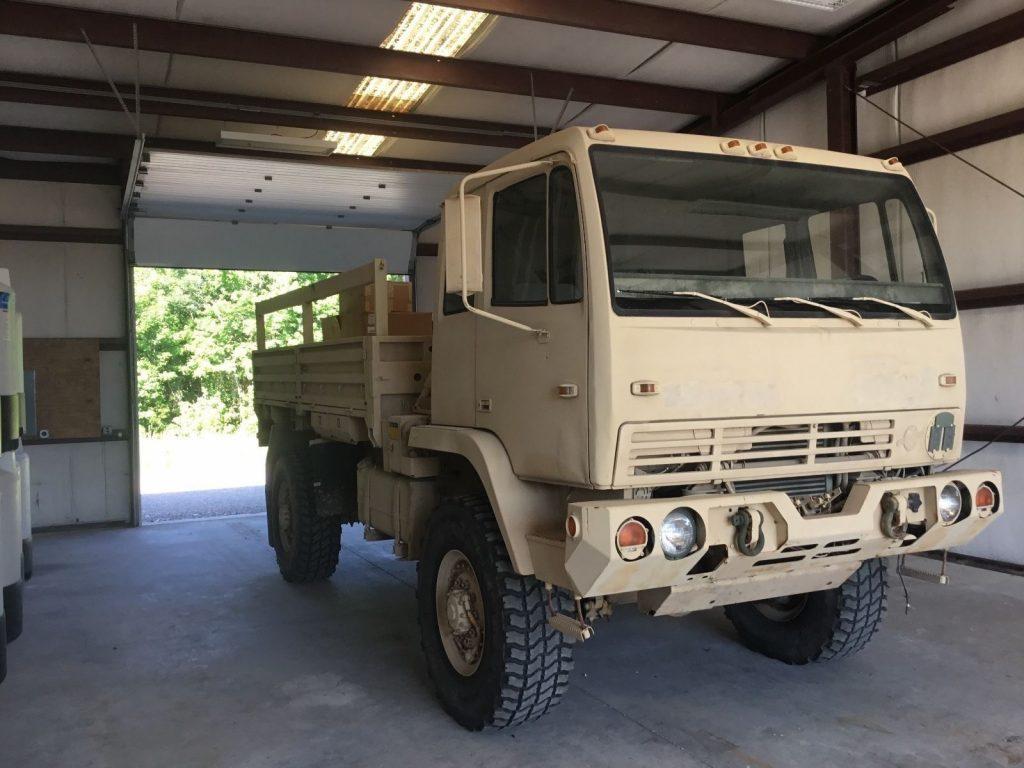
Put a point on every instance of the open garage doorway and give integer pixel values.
(195, 331)
(209, 235)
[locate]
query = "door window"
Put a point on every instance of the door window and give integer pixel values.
(565, 281)
(519, 244)
(536, 249)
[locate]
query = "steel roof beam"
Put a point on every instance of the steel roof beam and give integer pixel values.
(656, 23)
(868, 36)
(974, 134)
(956, 49)
(75, 173)
(119, 146)
(162, 35)
(206, 105)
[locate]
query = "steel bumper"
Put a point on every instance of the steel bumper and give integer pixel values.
(800, 554)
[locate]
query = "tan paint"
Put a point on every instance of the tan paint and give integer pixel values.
(594, 567)
(495, 401)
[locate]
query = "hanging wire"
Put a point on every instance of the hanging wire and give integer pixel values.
(138, 78)
(1005, 431)
(900, 563)
(561, 114)
(533, 106)
(930, 140)
(110, 82)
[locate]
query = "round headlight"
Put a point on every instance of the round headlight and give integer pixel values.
(679, 533)
(950, 503)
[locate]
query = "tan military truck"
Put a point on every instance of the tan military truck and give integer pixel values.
(678, 371)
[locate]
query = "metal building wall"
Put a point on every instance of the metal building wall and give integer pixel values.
(60, 242)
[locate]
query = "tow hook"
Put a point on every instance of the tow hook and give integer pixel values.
(573, 627)
(743, 520)
(894, 524)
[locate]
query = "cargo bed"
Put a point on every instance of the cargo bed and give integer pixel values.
(345, 389)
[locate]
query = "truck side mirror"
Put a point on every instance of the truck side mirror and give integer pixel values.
(455, 215)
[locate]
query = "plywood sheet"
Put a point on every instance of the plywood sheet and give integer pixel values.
(67, 385)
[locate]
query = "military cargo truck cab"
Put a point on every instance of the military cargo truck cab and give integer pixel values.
(678, 371)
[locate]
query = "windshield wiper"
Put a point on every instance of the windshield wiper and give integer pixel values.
(921, 317)
(845, 314)
(750, 312)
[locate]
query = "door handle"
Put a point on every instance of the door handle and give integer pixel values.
(567, 391)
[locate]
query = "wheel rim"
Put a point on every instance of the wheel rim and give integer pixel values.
(782, 609)
(460, 612)
(285, 520)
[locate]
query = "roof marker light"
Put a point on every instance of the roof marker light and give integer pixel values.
(733, 147)
(601, 133)
(759, 149)
(785, 152)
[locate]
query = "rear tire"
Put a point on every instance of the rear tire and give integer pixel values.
(515, 666)
(14, 607)
(306, 544)
(817, 626)
(27, 562)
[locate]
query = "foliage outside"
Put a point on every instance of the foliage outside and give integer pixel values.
(195, 331)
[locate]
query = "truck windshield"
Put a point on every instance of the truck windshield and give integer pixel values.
(749, 230)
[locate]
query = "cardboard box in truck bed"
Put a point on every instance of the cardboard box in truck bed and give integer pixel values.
(364, 324)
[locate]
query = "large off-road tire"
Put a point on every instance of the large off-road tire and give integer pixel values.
(306, 544)
(817, 626)
(490, 652)
(14, 609)
(27, 559)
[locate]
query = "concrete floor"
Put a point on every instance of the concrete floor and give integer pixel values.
(179, 645)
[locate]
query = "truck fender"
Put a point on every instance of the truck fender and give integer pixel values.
(521, 507)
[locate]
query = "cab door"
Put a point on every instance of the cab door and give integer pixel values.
(532, 390)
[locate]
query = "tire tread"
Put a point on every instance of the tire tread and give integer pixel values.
(317, 538)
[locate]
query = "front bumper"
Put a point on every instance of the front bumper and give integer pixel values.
(800, 554)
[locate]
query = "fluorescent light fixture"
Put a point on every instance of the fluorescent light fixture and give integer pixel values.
(821, 5)
(268, 143)
(346, 143)
(433, 30)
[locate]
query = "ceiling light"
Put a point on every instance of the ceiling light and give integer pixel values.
(821, 5)
(354, 143)
(432, 30)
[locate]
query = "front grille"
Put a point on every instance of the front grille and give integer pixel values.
(797, 487)
(681, 452)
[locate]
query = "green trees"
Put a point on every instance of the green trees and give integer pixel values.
(195, 331)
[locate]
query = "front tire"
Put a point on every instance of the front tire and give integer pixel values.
(817, 626)
(492, 656)
(306, 544)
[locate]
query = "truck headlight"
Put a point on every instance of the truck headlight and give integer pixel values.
(950, 503)
(679, 533)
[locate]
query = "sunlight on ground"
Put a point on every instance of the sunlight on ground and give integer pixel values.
(202, 462)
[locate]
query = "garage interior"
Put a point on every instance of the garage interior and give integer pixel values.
(181, 133)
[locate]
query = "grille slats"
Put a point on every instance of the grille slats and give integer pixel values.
(755, 448)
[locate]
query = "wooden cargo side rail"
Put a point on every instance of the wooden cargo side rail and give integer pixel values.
(374, 273)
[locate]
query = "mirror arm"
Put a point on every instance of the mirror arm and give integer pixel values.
(541, 333)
